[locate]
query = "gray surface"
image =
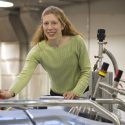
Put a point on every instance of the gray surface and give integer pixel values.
(44, 117)
(15, 117)
(101, 94)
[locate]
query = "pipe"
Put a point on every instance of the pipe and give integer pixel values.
(113, 60)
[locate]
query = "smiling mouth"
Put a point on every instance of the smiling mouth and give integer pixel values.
(51, 33)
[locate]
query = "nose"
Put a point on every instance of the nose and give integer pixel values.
(49, 26)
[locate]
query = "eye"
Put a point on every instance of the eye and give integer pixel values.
(45, 23)
(54, 22)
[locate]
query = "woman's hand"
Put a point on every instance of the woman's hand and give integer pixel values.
(5, 94)
(69, 95)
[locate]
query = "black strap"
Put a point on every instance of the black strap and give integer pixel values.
(87, 89)
(52, 93)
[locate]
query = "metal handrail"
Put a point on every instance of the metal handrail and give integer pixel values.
(62, 102)
(122, 92)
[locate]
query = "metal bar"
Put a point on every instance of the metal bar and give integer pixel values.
(30, 116)
(121, 103)
(97, 86)
(111, 88)
(62, 102)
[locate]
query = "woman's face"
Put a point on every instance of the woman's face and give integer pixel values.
(52, 27)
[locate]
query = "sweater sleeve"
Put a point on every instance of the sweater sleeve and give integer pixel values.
(84, 64)
(26, 73)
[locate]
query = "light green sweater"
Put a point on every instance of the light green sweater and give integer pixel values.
(68, 66)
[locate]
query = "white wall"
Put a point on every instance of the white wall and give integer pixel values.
(106, 14)
(102, 14)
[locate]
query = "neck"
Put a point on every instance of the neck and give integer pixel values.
(55, 42)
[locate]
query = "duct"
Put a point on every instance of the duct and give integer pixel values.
(7, 33)
(20, 31)
(30, 18)
(22, 36)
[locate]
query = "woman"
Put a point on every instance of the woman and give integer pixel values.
(60, 49)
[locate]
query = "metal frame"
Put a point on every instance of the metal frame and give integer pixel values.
(62, 102)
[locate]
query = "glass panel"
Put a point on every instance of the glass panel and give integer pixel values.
(7, 81)
(9, 51)
(10, 67)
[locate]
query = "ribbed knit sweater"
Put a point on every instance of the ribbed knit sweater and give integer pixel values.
(68, 66)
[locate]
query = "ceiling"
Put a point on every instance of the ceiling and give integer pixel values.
(43, 3)
(19, 22)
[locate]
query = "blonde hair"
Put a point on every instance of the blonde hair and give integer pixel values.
(68, 30)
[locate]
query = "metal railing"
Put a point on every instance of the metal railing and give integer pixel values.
(62, 102)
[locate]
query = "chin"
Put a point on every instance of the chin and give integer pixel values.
(52, 38)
